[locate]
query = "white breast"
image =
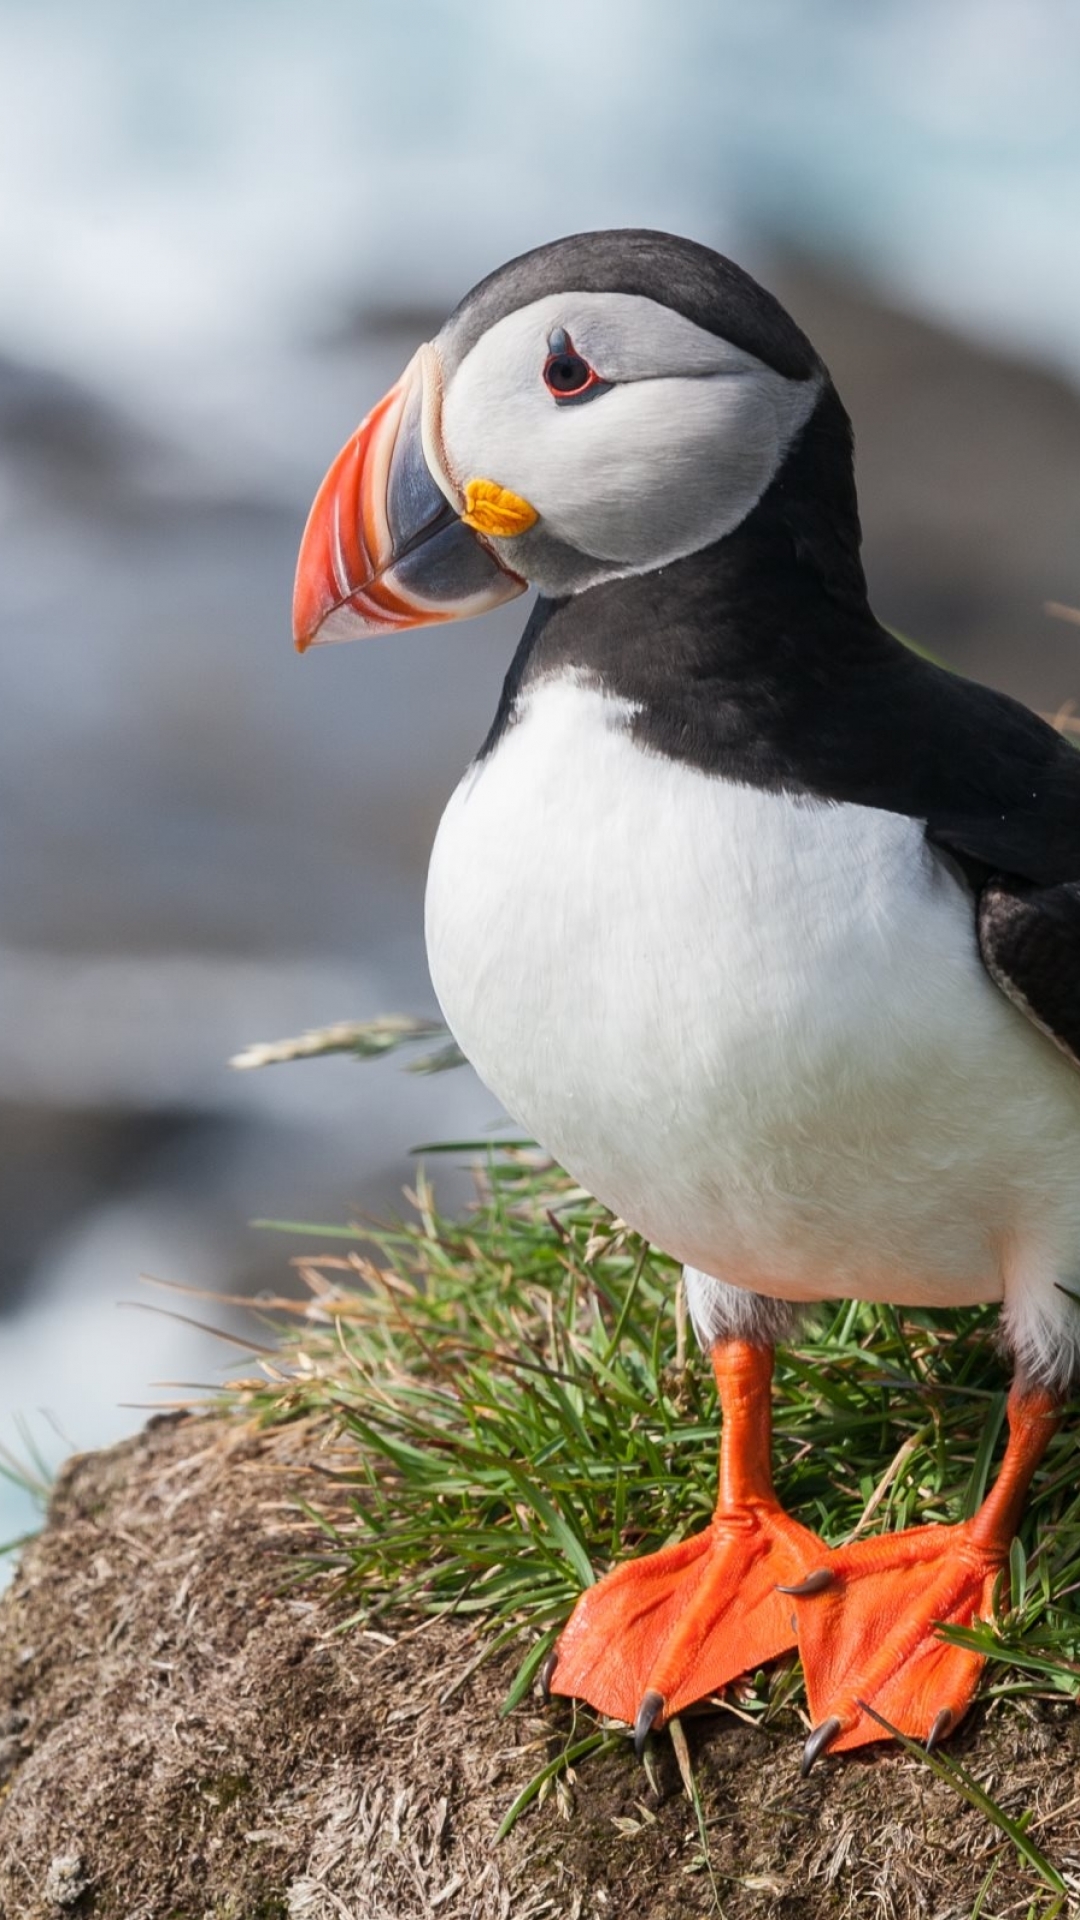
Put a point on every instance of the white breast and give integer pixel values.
(756, 1027)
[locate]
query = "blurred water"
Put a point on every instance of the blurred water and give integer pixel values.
(223, 229)
(219, 176)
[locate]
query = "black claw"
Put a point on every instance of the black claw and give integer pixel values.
(652, 1706)
(546, 1671)
(944, 1723)
(820, 1738)
(815, 1582)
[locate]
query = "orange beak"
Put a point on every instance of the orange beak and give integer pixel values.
(385, 545)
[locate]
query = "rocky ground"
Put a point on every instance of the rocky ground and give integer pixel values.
(189, 1730)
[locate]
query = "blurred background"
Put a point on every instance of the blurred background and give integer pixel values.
(224, 228)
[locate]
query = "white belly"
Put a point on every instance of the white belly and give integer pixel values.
(758, 1029)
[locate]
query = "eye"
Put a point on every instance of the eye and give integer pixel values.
(567, 375)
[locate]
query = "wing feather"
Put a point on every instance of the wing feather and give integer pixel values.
(1029, 938)
(1001, 793)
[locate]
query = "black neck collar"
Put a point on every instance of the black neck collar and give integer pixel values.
(720, 652)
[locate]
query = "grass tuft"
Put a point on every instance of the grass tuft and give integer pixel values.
(524, 1407)
(30, 1474)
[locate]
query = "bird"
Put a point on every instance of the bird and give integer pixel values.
(763, 924)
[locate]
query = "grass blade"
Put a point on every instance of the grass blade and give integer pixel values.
(963, 1783)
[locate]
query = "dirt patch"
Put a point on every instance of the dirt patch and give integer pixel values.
(188, 1732)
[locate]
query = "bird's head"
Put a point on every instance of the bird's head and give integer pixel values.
(600, 407)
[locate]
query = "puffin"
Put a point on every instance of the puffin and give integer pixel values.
(763, 925)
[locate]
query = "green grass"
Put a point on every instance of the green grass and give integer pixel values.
(526, 1406)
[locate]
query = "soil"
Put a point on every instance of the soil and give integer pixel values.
(191, 1729)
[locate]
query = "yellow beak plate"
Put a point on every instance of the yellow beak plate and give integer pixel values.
(496, 511)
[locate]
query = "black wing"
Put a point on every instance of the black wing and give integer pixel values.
(998, 788)
(1029, 938)
(1018, 837)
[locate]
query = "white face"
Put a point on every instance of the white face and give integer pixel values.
(672, 456)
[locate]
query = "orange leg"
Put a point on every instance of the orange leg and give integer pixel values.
(868, 1634)
(660, 1632)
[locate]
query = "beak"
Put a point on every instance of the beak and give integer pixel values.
(386, 545)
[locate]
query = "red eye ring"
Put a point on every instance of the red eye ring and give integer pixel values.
(568, 377)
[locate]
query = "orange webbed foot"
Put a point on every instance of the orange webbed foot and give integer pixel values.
(658, 1633)
(870, 1638)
